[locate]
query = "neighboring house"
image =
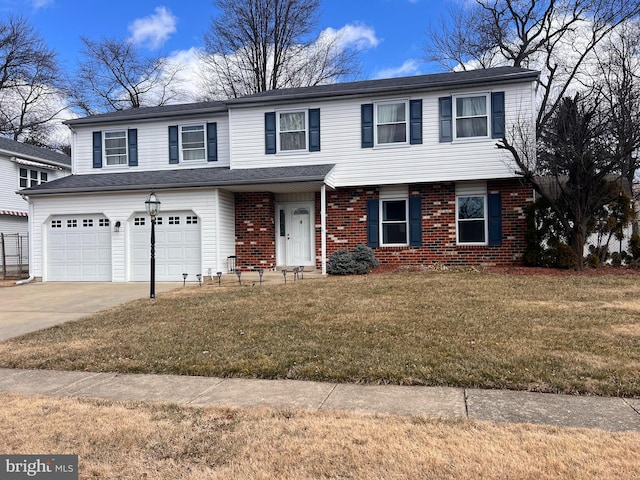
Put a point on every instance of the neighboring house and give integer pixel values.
(408, 166)
(23, 166)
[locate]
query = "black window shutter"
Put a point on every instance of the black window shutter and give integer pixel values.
(314, 130)
(212, 142)
(495, 218)
(415, 222)
(97, 149)
(497, 115)
(373, 223)
(174, 154)
(132, 135)
(415, 114)
(366, 113)
(446, 119)
(270, 133)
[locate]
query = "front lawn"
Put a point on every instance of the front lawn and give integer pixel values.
(570, 334)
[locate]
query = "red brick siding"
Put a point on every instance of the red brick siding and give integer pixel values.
(347, 226)
(255, 230)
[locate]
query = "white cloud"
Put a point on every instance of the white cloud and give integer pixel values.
(37, 4)
(154, 29)
(409, 67)
(356, 35)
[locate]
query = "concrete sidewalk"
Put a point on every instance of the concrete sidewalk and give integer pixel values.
(613, 414)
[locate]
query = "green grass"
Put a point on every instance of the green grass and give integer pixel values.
(572, 334)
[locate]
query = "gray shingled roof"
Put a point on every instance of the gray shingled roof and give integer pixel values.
(29, 152)
(436, 81)
(180, 178)
(144, 113)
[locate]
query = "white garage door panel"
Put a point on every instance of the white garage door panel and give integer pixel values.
(79, 248)
(177, 246)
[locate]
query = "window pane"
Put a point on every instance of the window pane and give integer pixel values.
(193, 145)
(293, 141)
(394, 211)
(44, 177)
(391, 113)
(471, 231)
(291, 122)
(471, 127)
(470, 207)
(115, 148)
(471, 106)
(392, 133)
(394, 233)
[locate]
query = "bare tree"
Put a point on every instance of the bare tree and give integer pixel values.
(557, 37)
(115, 75)
(31, 95)
(258, 45)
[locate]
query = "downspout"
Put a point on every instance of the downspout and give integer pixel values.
(323, 226)
(30, 223)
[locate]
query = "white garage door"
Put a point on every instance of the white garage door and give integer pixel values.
(177, 246)
(79, 248)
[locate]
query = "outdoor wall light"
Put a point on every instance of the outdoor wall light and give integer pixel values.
(116, 226)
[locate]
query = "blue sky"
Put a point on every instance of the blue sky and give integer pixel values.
(391, 32)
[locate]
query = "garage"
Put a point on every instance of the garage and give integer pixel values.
(178, 248)
(79, 248)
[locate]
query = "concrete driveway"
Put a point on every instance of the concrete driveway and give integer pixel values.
(34, 306)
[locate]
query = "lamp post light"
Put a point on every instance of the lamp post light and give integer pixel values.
(152, 205)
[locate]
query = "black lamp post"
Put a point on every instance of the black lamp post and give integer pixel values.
(153, 209)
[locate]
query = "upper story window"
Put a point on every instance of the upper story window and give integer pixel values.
(31, 178)
(391, 123)
(192, 142)
(394, 122)
(471, 116)
(115, 147)
(292, 131)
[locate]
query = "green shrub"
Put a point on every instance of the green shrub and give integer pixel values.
(360, 262)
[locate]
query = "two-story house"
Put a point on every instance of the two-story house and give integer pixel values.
(408, 166)
(23, 166)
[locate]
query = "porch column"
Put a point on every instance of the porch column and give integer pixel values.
(323, 226)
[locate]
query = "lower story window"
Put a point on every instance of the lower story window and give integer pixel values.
(394, 222)
(471, 219)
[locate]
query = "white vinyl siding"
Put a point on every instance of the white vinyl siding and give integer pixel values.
(153, 146)
(430, 161)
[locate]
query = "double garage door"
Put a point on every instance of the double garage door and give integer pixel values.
(80, 247)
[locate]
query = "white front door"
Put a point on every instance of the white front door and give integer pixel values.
(298, 230)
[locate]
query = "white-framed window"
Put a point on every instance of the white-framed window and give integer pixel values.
(393, 221)
(292, 130)
(192, 143)
(471, 116)
(471, 219)
(391, 122)
(31, 178)
(115, 148)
